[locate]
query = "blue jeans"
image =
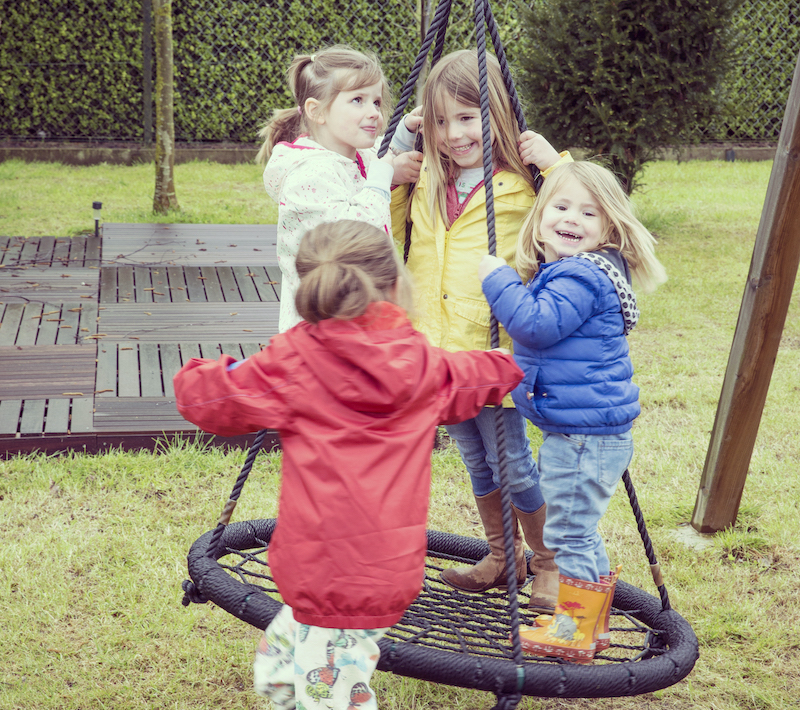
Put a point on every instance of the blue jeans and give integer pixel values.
(476, 440)
(578, 475)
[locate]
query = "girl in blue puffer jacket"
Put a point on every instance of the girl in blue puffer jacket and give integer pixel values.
(577, 250)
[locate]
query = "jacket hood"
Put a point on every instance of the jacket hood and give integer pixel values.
(379, 382)
(615, 266)
(287, 156)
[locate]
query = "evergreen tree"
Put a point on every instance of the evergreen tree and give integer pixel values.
(623, 78)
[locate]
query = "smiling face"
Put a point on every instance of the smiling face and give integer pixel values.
(352, 122)
(458, 132)
(572, 221)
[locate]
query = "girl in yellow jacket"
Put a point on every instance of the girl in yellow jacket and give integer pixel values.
(447, 213)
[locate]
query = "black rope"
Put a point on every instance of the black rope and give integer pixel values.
(505, 701)
(655, 568)
(235, 493)
(191, 595)
(438, 23)
(516, 104)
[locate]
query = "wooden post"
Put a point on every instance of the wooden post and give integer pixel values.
(762, 315)
(164, 198)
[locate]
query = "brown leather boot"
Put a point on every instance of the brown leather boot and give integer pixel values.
(490, 572)
(544, 590)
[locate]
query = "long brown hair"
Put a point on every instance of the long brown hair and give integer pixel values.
(343, 267)
(456, 75)
(322, 76)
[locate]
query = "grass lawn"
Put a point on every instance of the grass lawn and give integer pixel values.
(93, 547)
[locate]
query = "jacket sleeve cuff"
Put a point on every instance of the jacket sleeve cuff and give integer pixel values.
(403, 139)
(566, 157)
(379, 176)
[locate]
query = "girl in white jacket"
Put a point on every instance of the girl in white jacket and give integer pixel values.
(321, 157)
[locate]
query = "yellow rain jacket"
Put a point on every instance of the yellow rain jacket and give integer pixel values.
(450, 307)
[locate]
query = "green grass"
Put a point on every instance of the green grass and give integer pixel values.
(55, 200)
(93, 547)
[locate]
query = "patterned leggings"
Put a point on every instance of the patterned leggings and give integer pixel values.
(307, 667)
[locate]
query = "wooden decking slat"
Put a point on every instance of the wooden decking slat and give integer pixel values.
(81, 418)
(211, 283)
(92, 249)
(150, 370)
(170, 364)
(92, 331)
(61, 252)
(230, 288)
(9, 415)
(57, 419)
(128, 379)
(125, 285)
(12, 250)
(46, 371)
(189, 321)
(139, 414)
(189, 245)
(32, 420)
(9, 326)
(51, 284)
(29, 327)
(106, 377)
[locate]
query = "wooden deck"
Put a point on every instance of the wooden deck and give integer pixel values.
(92, 330)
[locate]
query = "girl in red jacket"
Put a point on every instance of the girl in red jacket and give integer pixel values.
(356, 394)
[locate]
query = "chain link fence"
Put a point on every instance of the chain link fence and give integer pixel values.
(83, 70)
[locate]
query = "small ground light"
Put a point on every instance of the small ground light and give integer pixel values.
(96, 206)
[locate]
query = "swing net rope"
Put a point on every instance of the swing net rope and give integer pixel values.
(447, 636)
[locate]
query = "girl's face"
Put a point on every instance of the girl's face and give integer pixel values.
(572, 221)
(458, 132)
(352, 122)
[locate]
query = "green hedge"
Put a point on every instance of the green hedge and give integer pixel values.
(230, 58)
(73, 68)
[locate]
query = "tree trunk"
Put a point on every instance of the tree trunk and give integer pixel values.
(164, 198)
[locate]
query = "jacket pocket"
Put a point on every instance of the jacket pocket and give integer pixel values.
(524, 394)
(469, 330)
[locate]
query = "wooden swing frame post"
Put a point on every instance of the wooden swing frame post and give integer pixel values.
(762, 315)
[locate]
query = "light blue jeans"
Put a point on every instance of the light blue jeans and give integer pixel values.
(476, 440)
(578, 474)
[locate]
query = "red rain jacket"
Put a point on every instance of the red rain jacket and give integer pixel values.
(356, 404)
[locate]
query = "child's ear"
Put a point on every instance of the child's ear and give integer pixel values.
(313, 111)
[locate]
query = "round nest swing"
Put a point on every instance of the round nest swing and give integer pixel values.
(447, 636)
(455, 638)
(461, 639)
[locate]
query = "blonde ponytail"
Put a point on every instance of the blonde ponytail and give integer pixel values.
(343, 267)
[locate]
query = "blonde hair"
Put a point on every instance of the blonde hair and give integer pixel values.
(456, 75)
(621, 228)
(321, 76)
(343, 267)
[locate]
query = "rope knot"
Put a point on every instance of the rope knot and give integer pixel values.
(191, 595)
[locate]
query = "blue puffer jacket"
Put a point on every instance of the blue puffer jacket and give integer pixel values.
(569, 338)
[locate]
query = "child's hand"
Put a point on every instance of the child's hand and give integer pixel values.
(535, 149)
(413, 121)
(390, 158)
(489, 264)
(407, 167)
